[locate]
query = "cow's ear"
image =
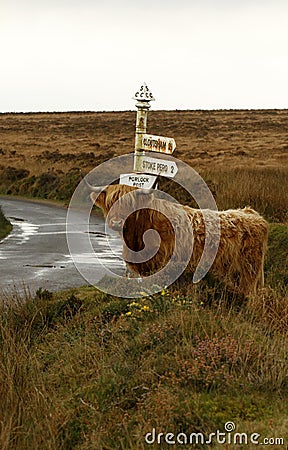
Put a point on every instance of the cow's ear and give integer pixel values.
(98, 199)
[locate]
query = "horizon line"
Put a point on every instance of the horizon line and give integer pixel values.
(80, 111)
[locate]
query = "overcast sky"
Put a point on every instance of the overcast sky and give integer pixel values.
(64, 55)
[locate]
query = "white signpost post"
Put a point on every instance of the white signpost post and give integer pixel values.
(143, 164)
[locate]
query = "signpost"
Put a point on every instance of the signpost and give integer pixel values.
(158, 144)
(142, 181)
(148, 142)
(156, 166)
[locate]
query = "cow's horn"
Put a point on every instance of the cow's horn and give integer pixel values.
(155, 184)
(142, 191)
(96, 189)
(148, 191)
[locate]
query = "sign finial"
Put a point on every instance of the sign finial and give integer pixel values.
(144, 94)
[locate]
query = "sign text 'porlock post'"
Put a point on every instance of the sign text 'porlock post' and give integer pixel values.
(146, 168)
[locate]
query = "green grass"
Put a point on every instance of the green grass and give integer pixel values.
(54, 185)
(277, 256)
(84, 370)
(5, 225)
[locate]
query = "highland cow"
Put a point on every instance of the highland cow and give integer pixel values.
(239, 261)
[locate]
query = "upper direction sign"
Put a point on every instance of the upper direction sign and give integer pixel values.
(158, 144)
(138, 180)
(156, 166)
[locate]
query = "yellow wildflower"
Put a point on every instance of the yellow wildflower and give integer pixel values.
(145, 308)
(133, 304)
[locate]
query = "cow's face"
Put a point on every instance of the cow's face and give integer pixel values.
(129, 205)
(107, 196)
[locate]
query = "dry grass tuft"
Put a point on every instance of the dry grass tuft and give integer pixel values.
(264, 189)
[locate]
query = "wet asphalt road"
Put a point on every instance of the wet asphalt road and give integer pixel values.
(36, 254)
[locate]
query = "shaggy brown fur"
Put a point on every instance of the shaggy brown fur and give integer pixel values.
(239, 262)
